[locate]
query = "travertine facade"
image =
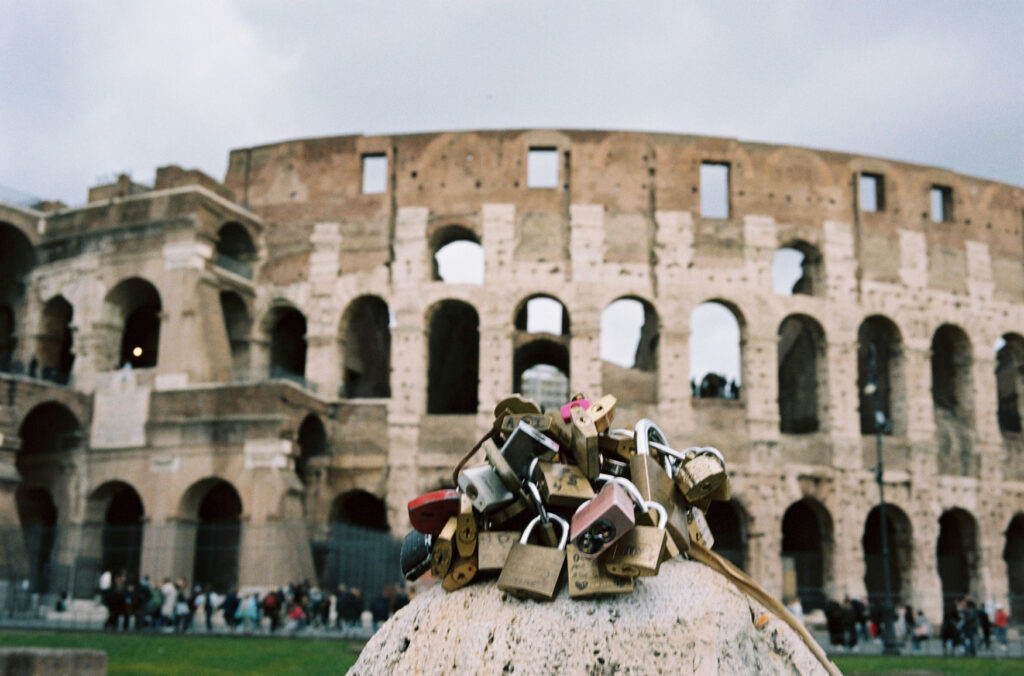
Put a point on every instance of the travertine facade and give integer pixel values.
(265, 310)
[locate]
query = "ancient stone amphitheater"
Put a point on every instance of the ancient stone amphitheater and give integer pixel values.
(262, 360)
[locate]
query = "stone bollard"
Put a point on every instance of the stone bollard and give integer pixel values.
(52, 662)
(687, 620)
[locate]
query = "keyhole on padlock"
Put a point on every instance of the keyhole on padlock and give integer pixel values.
(471, 491)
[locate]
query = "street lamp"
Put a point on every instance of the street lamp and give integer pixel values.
(882, 425)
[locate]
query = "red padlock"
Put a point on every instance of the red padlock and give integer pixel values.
(598, 523)
(566, 409)
(430, 512)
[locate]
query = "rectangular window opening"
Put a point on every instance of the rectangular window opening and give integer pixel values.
(375, 174)
(714, 190)
(941, 203)
(542, 168)
(872, 192)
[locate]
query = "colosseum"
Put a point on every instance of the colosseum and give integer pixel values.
(234, 381)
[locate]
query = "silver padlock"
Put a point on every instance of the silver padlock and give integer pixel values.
(484, 488)
(523, 445)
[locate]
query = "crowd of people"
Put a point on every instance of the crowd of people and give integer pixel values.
(173, 606)
(966, 626)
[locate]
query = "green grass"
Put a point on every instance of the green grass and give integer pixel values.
(947, 666)
(161, 655)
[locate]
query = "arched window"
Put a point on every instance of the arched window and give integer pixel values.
(17, 258)
(135, 306)
(359, 539)
(218, 511)
(366, 348)
(952, 399)
(312, 444)
(458, 257)
(901, 550)
(728, 525)
(806, 550)
(287, 343)
(235, 249)
(38, 516)
(119, 507)
(454, 353)
(629, 349)
(715, 366)
(54, 342)
(878, 338)
(238, 325)
(957, 555)
(1013, 554)
(798, 269)
(802, 375)
(540, 362)
(1009, 369)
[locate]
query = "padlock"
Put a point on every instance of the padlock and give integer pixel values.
(492, 548)
(416, 557)
(640, 551)
(546, 531)
(601, 412)
(597, 524)
(701, 473)
(584, 444)
(444, 550)
(559, 430)
(619, 443)
(566, 409)
(461, 573)
(523, 445)
(517, 507)
(465, 532)
(485, 488)
(614, 467)
(430, 512)
(561, 485)
(533, 571)
(515, 404)
(646, 515)
(501, 467)
(700, 532)
(587, 578)
(654, 482)
(538, 421)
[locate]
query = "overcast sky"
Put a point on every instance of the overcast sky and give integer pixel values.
(90, 89)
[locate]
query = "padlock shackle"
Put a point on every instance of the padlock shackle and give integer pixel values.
(562, 541)
(631, 490)
(662, 512)
(532, 468)
(538, 502)
(644, 430)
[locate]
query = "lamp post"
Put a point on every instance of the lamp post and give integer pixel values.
(882, 424)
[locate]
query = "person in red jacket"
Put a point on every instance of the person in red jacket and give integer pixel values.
(999, 621)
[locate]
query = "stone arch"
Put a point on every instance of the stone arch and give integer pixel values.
(803, 375)
(1013, 554)
(365, 345)
(238, 324)
(953, 399)
(457, 256)
(312, 443)
(716, 353)
(1009, 372)
(117, 509)
(630, 334)
(807, 551)
(957, 554)
(37, 513)
(236, 250)
(728, 522)
(286, 328)
(890, 392)
(541, 344)
(360, 508)
(132, 309)
(55, 340)
(453, 357)
(17, 258)
(899, 534)
(798, 268)
(215, 507)
(48, 430)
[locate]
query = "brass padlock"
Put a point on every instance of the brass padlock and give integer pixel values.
(602, 412)
(461, 573)
(561, 485)
(443, 551)
(533, 571)
(701, 473)
(584, 444)
(465, 533)
(700, 532)
(646, 515)
(640, 551)
(559, 430)
(492, 548)
(515, 404)
(547, 532)
(619, 443)
(515, 508)
(587, 578)
(654, 481)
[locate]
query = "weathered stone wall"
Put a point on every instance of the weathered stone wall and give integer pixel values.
(623, 220)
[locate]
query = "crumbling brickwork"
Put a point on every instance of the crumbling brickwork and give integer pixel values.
(291, 293)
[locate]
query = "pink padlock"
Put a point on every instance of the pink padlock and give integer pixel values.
(598, 523)
(566, 409)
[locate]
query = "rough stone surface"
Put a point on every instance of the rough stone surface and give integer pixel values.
(49, 661)
(687, 620)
